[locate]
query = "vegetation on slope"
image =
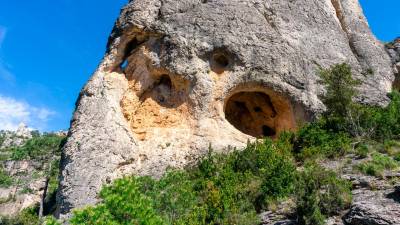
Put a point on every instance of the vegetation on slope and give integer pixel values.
(44, 151)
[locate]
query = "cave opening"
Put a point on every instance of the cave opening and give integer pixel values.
(252, 113)
(219, 62)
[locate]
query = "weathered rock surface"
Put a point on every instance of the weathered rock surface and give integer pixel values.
(374, 208)
(180, 75)
(16, 138)
(393, 50)
(27, 189)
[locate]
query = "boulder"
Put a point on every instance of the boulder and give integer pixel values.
(374, 208)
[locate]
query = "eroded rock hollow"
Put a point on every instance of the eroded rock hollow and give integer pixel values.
(179, 76)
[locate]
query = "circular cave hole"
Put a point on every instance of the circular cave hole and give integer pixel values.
(252, 113)
(219, 62)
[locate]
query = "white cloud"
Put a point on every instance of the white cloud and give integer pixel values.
(14, 112)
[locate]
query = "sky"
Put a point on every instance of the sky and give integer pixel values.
(50, 48)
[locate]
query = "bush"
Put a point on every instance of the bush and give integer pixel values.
(388, 120)
(340, 91)
(357, 120)
(397, 157)
(320, 193)
(221, 189)
(314, 140)
(377, 165)
(5, 179)
(38, 147)
(28, 216)
(362, 151)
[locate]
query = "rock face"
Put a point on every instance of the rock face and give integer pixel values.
(179, 76)
(16, 138)
(393, 50)
(374, 208)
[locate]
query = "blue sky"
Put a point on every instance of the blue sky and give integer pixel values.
(49, 48)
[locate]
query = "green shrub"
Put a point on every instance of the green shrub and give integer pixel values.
(221, 189)
(5, 179)
(38, 147)
(362, 151)
(377, 165)
(50, 220)
(123, 203)
(28, 216)
(340, 91)
(388, 121)
(314, 140)
(397, 157)
(361, 121)
(319, 194)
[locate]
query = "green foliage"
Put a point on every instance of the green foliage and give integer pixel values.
(344, 115)
(388, 119)
(360, 121)
(5, 179)
(38, 147)
(50, 220)
(123, 203)
(222, 189)
(362, 151)
(340, 90)
(377, 165)
(26, 217)
(43, 148)
(397, 157)
(315, 140)
(319, 194)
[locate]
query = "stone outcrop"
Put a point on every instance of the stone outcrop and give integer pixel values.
(374, 208)
(179, 76)
(16, 138)
(393, 50)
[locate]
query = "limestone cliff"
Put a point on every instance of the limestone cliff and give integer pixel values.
(179, 76)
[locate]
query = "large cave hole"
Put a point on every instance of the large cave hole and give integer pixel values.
(252, 113)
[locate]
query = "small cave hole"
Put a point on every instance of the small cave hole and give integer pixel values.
(252, 113)
(219, 62)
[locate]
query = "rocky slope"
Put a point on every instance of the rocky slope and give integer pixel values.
(179, 76)
(376, 199)
(27, 161)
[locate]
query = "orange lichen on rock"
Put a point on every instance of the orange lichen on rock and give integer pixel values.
(154, 99)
